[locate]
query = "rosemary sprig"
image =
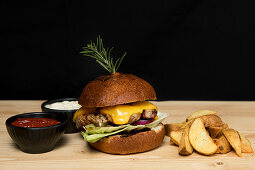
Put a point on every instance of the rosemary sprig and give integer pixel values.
(102, 55)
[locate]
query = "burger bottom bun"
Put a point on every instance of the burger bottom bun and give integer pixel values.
(128, 144)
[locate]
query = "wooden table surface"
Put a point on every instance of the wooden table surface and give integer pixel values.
(73, 153)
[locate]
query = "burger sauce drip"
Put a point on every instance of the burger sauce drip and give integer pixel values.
(34, 122)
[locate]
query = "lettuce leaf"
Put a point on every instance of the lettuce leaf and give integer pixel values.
(95, 137)
(93, 134)
(92, 129)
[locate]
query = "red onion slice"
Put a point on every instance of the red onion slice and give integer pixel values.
(142, 122)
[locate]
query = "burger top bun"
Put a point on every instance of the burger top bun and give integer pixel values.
(114, 89)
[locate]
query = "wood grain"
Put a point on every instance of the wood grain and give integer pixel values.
(73, 153)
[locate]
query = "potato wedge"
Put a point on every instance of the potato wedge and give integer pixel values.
(217, 131)
(223, 145)
(234, 140)
(171, 142)
(175, 136)
(188, 123)
(185, 147)
(200, 113)
(173, 127)
(245, 144)
(200, 139)
(212, 120)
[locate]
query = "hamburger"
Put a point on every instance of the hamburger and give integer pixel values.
(116, 116)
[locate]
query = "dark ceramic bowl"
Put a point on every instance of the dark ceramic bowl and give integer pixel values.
(40, 139)
(71, 126)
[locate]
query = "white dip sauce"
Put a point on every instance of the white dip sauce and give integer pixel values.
(64, 105)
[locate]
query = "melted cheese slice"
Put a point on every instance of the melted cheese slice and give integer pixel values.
(121, 113)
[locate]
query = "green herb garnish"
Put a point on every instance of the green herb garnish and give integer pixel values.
(102, 55)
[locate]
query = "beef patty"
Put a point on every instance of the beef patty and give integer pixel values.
(101, 120)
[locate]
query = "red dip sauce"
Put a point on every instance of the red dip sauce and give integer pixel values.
(34, 122)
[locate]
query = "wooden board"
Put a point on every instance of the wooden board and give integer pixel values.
(73, 153)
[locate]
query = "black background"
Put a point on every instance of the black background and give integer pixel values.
(187, 49)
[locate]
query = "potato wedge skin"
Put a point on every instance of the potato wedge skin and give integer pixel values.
(223, 145)
(176, 126)
(185, 147)
(245, 144)
(175, 136)
(217, 131)
(234, 140)
(171, 142)
(200, 139)
(212, 120)
(200, 113)
(173, 127)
